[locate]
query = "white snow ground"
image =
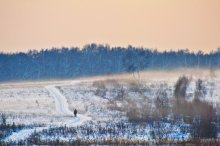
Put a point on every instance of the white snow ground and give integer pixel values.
(60, 97)
(61, 107)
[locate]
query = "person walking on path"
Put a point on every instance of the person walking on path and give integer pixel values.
(75, 112)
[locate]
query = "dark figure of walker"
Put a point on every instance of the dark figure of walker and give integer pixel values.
(75, 112)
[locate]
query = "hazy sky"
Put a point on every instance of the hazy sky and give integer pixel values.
(161, 24)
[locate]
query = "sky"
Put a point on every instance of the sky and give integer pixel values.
(156, 24)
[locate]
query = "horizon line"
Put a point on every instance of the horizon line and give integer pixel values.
(111, 47)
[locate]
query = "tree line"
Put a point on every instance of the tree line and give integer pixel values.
(94, 59)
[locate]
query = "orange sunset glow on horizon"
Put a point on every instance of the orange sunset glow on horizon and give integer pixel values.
(161, 24)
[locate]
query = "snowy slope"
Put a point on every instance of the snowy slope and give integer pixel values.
(61, 107)
(99, 103)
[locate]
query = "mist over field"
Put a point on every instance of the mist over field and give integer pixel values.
(96, 60)
(103, 95)
(149, 107)
(110, 72)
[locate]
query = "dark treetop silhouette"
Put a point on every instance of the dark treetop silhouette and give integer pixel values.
(96, 59)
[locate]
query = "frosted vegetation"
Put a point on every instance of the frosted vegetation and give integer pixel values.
(141, 108)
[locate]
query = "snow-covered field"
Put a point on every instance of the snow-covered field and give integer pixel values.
(99, 101)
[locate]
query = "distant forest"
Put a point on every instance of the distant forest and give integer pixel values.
(95, 59)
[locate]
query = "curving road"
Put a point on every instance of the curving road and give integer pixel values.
(61, 107)
(60, 100)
